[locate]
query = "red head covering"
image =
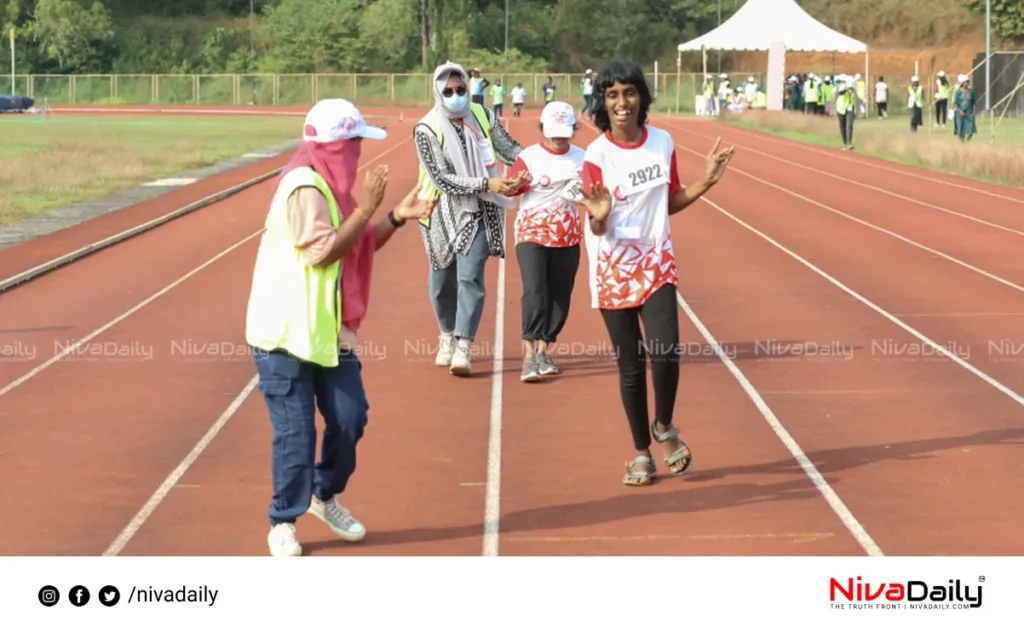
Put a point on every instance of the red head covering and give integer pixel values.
(337, 163)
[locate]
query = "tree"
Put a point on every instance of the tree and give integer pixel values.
(70, 34)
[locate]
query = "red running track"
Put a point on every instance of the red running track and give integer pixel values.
(820, 422)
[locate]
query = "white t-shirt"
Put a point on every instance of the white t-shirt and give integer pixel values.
(634, 257)
(547, 210)
(588, 86)
(881, 92)
(518, 95)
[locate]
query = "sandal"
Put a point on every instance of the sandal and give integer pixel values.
(680, 461)
(640, 472)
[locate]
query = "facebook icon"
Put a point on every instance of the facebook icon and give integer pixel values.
(79, 596)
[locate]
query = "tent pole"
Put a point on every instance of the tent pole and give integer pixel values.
(720, 24)
(868, 92)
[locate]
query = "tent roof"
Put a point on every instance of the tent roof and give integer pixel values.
(759, 23)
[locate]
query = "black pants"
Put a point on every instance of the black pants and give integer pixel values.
(548, 275)
(941, 111)
(846, 125)
(660, 317)
(477, 99)
(915, 118)
(882, 107)
(499, 109)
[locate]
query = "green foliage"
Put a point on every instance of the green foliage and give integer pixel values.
(74, 37)
(1007, 17)
(395, 36)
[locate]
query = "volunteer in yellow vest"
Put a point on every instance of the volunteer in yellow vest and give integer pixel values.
(310, 291)
(942, 90)
(915, 103)
(846, 108)
(459, 145)
(861, 90)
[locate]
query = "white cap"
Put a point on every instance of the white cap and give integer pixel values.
(558, 120)
(941, 73)
(336, 120)
(750, 79)
(962, 78)
(724, 76)
(589, 71)
(913, 79)
(857, 76)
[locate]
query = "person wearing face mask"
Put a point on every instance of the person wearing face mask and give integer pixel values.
(459, 144)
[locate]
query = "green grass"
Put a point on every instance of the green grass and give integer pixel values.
(1000, 162)
(47, 162)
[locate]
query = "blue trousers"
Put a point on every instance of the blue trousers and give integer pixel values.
(457, 292)
(294, 390)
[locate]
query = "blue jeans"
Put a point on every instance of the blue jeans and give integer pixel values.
(457, 292)
(293, 390)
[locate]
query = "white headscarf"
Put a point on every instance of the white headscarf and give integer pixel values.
(471, 163)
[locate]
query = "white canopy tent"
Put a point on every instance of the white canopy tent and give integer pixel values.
(764, 25)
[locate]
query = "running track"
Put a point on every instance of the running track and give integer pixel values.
(812, 284)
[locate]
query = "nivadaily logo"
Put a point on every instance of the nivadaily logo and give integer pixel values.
(913, 594)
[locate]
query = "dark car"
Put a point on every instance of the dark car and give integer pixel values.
(15, 103)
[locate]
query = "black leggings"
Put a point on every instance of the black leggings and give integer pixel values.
(660, 317)
(548, 275)
(941, 111)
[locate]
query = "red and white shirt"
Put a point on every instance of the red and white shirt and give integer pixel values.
(634, 257)
(547, 210)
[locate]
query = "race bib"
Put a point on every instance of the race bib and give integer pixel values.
(572, 191)
(647, 176)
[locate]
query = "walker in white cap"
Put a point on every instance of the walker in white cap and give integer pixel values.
(333, 120)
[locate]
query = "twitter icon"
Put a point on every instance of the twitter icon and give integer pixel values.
(109, 596)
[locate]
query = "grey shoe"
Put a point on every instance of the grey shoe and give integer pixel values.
(545, 365)
(531, 370)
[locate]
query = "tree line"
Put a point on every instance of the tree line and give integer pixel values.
(365, 36)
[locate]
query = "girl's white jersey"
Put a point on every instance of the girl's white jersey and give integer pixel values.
(634, 257)
(548, 215)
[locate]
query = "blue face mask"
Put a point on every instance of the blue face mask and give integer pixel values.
(456, 102)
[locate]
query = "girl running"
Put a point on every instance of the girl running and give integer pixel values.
(548, 235)
(633, 272)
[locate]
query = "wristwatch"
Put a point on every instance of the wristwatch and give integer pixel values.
(394, 221)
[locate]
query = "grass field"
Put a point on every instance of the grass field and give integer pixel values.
(47, 162)
(1001, 161)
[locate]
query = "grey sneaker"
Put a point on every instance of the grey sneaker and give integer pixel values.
(531, 371)
(545, 365)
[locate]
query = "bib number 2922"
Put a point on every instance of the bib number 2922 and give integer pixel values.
(645, 175)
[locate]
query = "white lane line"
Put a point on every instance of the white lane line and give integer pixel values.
(492, 492)
(866, 186)
(826, 491)
(165, 488)
(109, 324)
(890, 166)
(852, 218)
(121, 317)
(992, 382)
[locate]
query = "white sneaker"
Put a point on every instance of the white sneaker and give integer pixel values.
(461, 364)
(339, 519)
(445, 347)
(282, 540)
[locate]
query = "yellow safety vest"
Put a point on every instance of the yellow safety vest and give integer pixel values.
(917, 94)
(293, 306)
(760, 100)
(941, 92)
(428, 190)
(861, 90)
(844, 101)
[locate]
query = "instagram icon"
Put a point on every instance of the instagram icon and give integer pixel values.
(49, 596)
